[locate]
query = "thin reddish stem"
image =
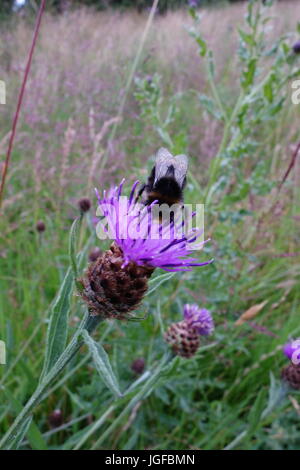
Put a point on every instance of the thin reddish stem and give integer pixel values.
(290, 167)
(20, 99)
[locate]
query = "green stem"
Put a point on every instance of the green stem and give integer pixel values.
(88, 323)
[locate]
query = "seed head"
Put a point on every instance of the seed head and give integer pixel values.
(183, 339)
(84, 204)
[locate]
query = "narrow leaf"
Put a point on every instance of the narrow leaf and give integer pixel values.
(102, 364)
(22, 431)
(58, 325)
(74, 232)
(57, 331)
(256, 413)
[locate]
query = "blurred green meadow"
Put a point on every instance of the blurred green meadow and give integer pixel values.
(216, 84)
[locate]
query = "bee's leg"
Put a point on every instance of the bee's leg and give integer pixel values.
(140, 192)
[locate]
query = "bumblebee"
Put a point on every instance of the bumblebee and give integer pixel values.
(167, 179)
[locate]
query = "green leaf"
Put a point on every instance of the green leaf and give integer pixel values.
(277, 393)
(249, 73)
(74, 232)
(58, 326)
(18, 438)
(202, 45)
(268, 91)
(57, 331)
(102, 364)
(247, 38)
(210, 106)
(255, 413)
(200, 41)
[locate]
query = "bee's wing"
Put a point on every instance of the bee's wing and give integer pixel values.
(163, 160)
(181, 166)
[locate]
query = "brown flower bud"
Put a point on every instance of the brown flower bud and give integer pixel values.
(112, 291)
(291, 375)
(55, 419)
(84, 204)
(138, 365)
(296, 47)
(40, 226)
(183, 339)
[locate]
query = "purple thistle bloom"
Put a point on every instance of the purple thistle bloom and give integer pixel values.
(141, 237)
(199, 319)
(292, 351)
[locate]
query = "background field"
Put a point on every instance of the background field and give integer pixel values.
(64, 148)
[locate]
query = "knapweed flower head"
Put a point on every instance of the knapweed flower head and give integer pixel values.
(117, 281)
(141, 236)
(184, 336)
(199, 318)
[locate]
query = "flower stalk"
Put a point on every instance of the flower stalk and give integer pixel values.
(89, 323)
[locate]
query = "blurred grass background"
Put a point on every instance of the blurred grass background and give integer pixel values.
(76, 84)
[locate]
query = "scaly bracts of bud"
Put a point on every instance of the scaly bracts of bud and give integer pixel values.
(84, 205)
(111, 289)
(291, 375)
(183, 339)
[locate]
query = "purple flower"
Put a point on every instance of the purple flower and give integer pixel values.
(141, 237)
(292, 351)
(199, 318)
